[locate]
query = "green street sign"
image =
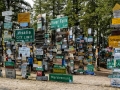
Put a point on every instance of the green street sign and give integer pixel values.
(8, 25)
(59, 23)
(39, 69)
(24, 35)
(9, 63)
(59, 66)
(39, 56)
(90, 67)
(59, 57)
(60, 77)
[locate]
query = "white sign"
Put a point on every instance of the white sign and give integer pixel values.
(25, 51)
(5, 13)
(90, 39)
(116, 14)
(117, 56)
(10, 73)
(8, 18)
(9, 52)
(115, 82)
(39, 51)
(89, 30)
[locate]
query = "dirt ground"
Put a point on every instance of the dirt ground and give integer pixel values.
(80, 82)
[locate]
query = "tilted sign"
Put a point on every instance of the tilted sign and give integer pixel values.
(114, 41)
(59, 23)
(23, 17)
(26, 35)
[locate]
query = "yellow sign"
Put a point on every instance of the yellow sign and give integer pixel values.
(23, 17)
(114, 41)
(116, 7)
(55, 70)
(115, 21)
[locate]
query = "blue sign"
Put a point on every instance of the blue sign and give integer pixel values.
(8, 25)
(23, 24)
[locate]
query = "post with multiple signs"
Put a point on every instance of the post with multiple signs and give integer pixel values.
(59, 68)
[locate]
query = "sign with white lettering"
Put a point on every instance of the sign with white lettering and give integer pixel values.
(59, 23)
(8, 25)
(26, 35)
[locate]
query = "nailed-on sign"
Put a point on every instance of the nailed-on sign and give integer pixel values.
(114, 41)
(23, 17)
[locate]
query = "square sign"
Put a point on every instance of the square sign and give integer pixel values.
(24, 35)
(59, 23)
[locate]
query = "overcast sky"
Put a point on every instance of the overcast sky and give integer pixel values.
(30, 1)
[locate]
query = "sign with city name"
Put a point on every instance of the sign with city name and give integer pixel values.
(24, 35)
(61, 77)
(59, 23)
(114, 41)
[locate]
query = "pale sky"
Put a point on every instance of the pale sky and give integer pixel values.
(30, 1)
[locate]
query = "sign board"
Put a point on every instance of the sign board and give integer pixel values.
(8, 19)
(90, 39)
(10, 73)
(114, 41)
(6, 13)
(42, 78)
(56, 70)
(59, 23)
(23, 17)
(115, 82)
(7, 36)
(25, 51)
(116, 7)
(115, 21)
(23, 24)
(61, 77)
(9, 52)
(26, 35)
(39, 51)
(8, 25)
(116, 14)
(90, 67)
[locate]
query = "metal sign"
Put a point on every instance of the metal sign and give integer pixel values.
(61, 77)
(8, 25)
(116, 7)
(5, 13)
(114, 41)
(10, 73)
(39, 51)
(26, 35)
(8, 18)
(25, 51)
(115, 21)
(23, 24)
(59, 23)
(23, 17)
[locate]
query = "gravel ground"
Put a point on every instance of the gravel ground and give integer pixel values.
(81, 82)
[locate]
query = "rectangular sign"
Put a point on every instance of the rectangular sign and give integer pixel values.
(59, 23)
(115, 82)
(56, 70)
(24, 35)
(114, 41)
(8, 25)
(23, 17)
(5, 13)
(8, 18)
(115, 21)
(23, 24)
(61, 77)
(25, 51)
(10, 73)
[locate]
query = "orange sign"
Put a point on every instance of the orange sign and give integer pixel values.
(23, 17)
(114, 41)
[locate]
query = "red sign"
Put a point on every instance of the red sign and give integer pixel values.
(39, 73)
